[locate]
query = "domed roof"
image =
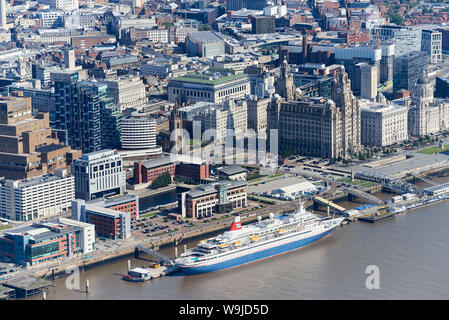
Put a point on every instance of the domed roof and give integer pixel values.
(423, 79)
(330, 102)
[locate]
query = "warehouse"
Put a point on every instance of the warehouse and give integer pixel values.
(294, 190)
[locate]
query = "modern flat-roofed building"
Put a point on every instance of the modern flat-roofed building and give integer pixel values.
(38, 197)
(122, 202)
(150, 170)
(431, 43)
(211, 86)
(204, 44)
(98, 174)
(46, 242)
(28, 147)
(109, 223)
(209, 199)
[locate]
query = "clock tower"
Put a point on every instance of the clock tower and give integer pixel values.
(348, 104)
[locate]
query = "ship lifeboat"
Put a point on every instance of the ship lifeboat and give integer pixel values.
(254, 238)
(237, 243)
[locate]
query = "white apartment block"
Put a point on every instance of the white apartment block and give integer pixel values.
(383, 125)
(98, 174)
(33, 198)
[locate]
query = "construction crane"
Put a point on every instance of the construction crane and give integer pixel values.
(380, 27)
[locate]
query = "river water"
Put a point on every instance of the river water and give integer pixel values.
(411, 252)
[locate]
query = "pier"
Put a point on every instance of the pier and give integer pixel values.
(27, 286)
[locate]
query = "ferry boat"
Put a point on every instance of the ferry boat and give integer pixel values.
(256, 241)
(137, 275)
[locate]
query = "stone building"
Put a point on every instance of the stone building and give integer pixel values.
(427, 114)
(316, 126)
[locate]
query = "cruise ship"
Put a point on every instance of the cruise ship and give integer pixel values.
(263, 239)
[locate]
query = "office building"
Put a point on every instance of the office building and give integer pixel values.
(431, 43)
(149, 170)
(28, 147)
(98, 174)
(263, 24)
(408, 68)
(316, 126)
(122, 202)
(383, 124)
(210, 86)
(38, 197)
(213, 198)
(204, 44)
(427, 114)
(139, 132)
(235, 5)
(368, 81)
(405, 39)
(45, 242)
(257, 114)
(127, 91)
(109, 223)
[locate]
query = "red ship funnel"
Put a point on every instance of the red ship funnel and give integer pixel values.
(236, 225)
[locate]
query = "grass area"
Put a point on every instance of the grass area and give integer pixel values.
(276, 175)
(8, 226)
(148, 215)
(433, 150)
(266, 201)
(164, 232)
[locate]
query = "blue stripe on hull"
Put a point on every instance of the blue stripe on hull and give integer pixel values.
(256, 255)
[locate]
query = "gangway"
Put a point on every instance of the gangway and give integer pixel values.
(154, 253)
(330, 204)
(424, 179)
(365, 195)
(388, 182)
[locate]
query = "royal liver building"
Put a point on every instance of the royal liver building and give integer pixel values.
(427, 114)
(315, 126)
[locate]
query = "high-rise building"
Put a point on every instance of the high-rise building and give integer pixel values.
(368, 81)
(431, 43)
(69, 59)
(86, 113)
(98, 174)
(28, 147)
(263, 24)
(408, 69)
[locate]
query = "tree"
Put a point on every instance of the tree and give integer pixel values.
(161, 181)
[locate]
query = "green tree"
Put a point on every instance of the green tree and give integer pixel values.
(161, 181)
